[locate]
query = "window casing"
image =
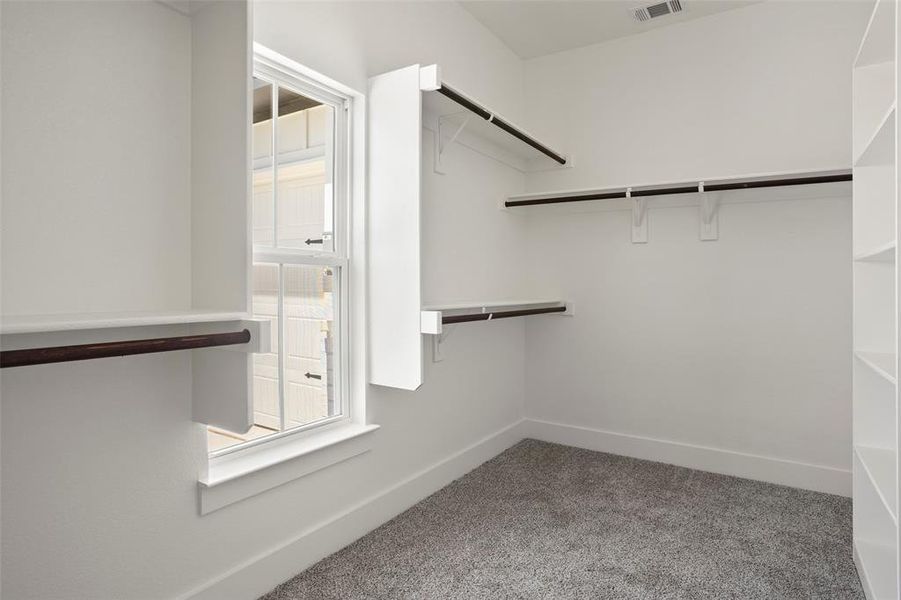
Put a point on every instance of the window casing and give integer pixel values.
(301, 254)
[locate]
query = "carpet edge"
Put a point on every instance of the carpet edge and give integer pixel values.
(796, 474)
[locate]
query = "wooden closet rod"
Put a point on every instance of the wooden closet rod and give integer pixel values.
(498, 122)
(40, 356)
(500, 315)
(684, 189)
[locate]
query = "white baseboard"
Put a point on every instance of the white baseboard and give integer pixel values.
(716, 460)
(263, 572)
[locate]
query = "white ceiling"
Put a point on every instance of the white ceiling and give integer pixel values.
(539, 27)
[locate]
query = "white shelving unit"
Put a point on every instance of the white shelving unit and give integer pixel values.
(400, 104)
(875, 363)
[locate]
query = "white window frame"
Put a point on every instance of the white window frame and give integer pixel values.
(330, 440)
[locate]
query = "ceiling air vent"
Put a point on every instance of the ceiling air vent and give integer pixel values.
(646, 13)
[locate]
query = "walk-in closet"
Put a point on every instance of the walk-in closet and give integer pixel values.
(449, 300)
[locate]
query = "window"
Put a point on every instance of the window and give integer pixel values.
(300, 256)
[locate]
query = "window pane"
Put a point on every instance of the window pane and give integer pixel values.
(266, 402)
(305, 165)
(263, 199)
(310, 343)
(309, 352)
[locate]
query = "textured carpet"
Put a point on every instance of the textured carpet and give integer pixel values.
(543, 521)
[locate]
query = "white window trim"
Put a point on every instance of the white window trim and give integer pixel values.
(284, 457)
(241, 475)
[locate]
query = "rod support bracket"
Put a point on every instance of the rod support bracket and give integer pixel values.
(441, 144)
(430, 323)
(437, 341)
(639, 218)
(708, 209)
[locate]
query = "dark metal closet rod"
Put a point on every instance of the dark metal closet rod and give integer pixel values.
(685, 189)
(500, 315)
(40, 356)
(488, 116)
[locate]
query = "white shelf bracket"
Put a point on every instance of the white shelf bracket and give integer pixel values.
(639, 218)
(437, 341)
(709, 229)
(441, 145)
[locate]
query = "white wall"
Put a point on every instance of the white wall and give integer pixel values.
(376, 37)
(739, 345)
(100, 459)
(96, 158)
(751, 90)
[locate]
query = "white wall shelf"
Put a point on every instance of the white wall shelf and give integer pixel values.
(883, 253)
(883, 363)
(22, 324)
(488, 305)
(38, 331)
(458, 113)
(707, 194)
(765, 180)
(435, 316)
(875, 316)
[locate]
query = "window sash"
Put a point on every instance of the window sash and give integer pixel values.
(341, 356)
(278, 77)
(337, 258)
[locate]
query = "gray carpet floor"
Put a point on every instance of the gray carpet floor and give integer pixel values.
(543, 521)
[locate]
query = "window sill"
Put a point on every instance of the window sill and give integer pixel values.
(237, 476)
